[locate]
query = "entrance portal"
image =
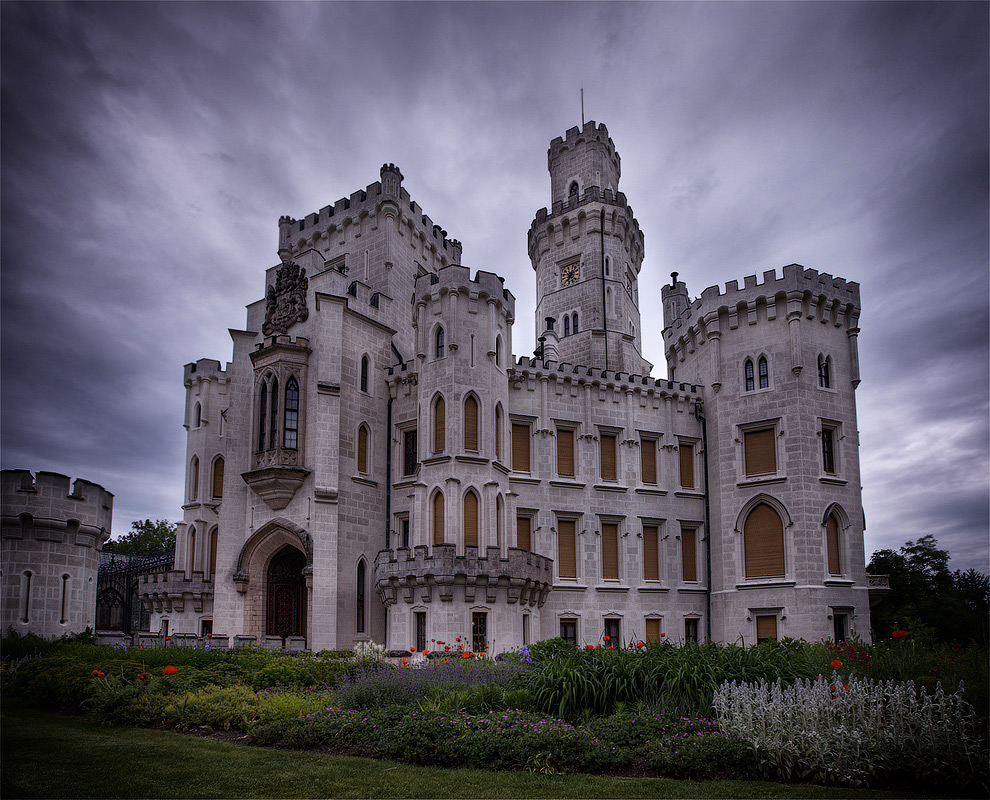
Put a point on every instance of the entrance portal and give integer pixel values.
(286, 594)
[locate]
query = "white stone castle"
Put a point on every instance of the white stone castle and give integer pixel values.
(375, 464)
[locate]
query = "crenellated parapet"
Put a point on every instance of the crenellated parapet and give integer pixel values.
(168, 592)
(584, 155)
(423, 575)
(456, 278)
(528, 369)
(54, 508)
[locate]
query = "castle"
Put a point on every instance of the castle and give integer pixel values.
(375, 464)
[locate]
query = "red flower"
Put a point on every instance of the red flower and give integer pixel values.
(403, 662)
(591, 647)
(458, 638)
(898, 634)
(169, 670)
(641, 644)
(426, 652)
(606, 638)
(845, 686)
(97, 674)
(465, 655)
(412, 649)
(446, 648)
(142, 676)
(836, 664)
(662, 635)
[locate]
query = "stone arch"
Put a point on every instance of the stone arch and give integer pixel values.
(471, 516)
(285, 532)
(767, 499)
(836, 510)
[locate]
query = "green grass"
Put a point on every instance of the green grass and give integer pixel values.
(48, 756)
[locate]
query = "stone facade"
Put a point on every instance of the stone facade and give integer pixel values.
(389, 471)
(51, 536)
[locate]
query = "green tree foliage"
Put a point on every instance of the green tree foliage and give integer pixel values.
(146, 538)
(926, 598)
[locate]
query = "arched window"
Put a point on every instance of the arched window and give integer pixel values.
(262, 410)
(574, 322)
(360, 596)
(364, 373)
(273, 422)
(763, 542)
(197, 415)
(438, 342)
(191, 554)
(750, 377)
(764, 373)
(362, 450)
(607, 267)
(832, 545)
(499, 510)
(438, 530)
(194, 479)
(824, 372)
(567, 325)
(470, 526)
(218, 477)
(575, 190)
(439, 425)
(470, 423)
(214, 537)
(498, 433)
(498, 351)
(291, 435)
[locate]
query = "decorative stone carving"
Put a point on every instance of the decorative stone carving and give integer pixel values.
(285, 302)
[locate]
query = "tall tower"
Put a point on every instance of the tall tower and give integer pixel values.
(587, 252)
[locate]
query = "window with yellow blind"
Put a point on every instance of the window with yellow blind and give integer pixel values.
(520, 447)
(760, 451)
(362, 458)
(471, 519)
(689, 555)
(766, 627)
(686, 452)
(524, 532)
(610, 551)
(651, 553)
(498, 433)
(648, 460)
(653, 632)
(832, 545)
(763, 542)
(438, 531)
(607, 442)
(194, 479)
(566, 549)
(470, 423)
(439, 425)
(218, 466)
(214, 536)
(565, 452)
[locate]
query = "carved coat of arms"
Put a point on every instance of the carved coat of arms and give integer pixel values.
(285, 302)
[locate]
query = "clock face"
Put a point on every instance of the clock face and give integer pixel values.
(570, 274)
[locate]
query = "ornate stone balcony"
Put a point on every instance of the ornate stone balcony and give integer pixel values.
(165, 592)
(879, 585)
(417, 575)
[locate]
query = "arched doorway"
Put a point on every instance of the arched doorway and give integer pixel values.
(286, 614)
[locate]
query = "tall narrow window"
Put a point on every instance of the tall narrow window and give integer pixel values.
(526, 633)
(565, 452)
(760, 452)
(764, 373)
(291, 436)
(574, 189)
(420, 630)
(574, 322)
(470, 520)
(197, 415)
(26, 596)
(520, 447)
(832, 545)
(766, 628)
(362, 450)
(194, 479)
(689, 555)
(273, 422)
(763, 541)
(360, 597)
(567, 325)
(613, 630)
(214, 541)
(524, 533)
(438, 344)
(262, 411)
(498, 351)
(653, 630)
(65, 600)
(405, 532)
(499, 513)
(651, 553)
(479, 631)
(218, 465)
(610, 551)
(568, 629)
(566, 553)
(191, 555)
(648, 460)
(439, 425)
(691, 631)
(607, 444)
(409, 459)
(470, 423)
(438, 531)
(608, 267)
(839, 627)
(364, 373)
(828, 451)
(750, 377)
(498, 433)
(686, 452)
(824, 372)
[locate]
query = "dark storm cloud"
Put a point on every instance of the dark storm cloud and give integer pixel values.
(149, 149)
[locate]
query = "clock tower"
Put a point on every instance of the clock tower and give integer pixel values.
(587, 251)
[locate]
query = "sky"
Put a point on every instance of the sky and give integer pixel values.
(147, 151)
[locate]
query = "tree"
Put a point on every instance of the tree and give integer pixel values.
(146, 538)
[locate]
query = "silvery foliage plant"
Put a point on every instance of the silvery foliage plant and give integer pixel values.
(858, 733)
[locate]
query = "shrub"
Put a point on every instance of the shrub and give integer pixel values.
(704, 756)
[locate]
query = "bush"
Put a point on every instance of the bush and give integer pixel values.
(704, 757)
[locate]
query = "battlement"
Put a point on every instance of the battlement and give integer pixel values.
(829, 294)
(580, 373)
(591, 132)
(203, 369)
(52, 505)
(457, 277)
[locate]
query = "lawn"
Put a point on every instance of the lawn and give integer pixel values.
(51, 756)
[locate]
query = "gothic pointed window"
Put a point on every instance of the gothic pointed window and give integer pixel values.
(194, 479)
(273, 421)
(567, 325)
(764, 373)
(214, 538)
(362, 450)
(439, 345)
(262, 419)
(438, 526)
(470, 520)
(750, 377)
(197, 415)
(218, 466)
(574, 189)
(360, 596)
(470, 423)
(439, 425)
(498, 433)
(832, 545)
(191, 553)
(291, 435)
(824, 372)
(574, 322)
(763, 543)
(498, 351)
(364, 373)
